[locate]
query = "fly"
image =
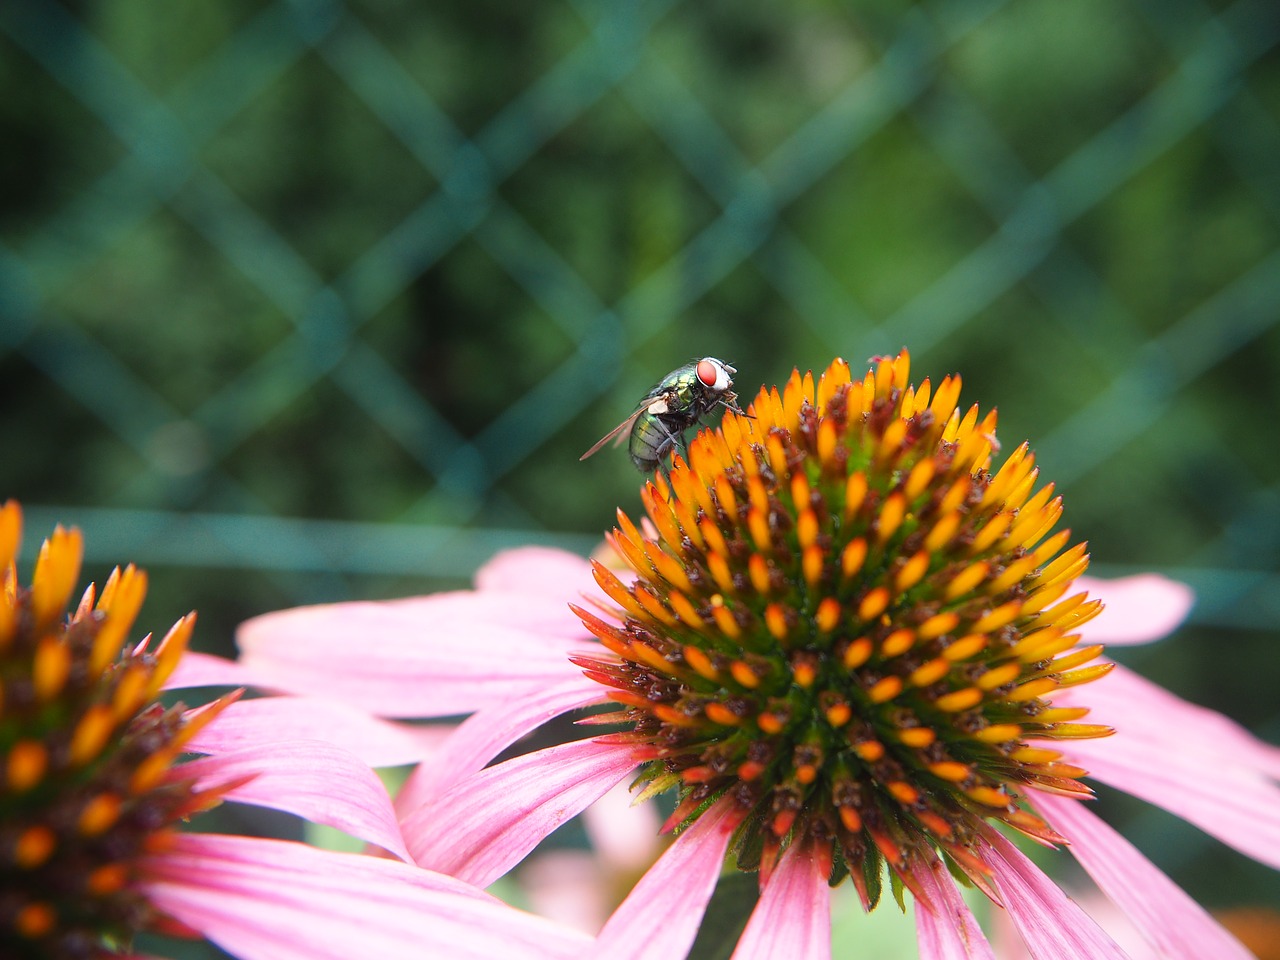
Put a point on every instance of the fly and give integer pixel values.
(677, 402)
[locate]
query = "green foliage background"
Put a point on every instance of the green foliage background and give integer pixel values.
(310, 300)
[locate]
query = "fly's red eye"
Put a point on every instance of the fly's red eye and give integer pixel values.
(707, 373)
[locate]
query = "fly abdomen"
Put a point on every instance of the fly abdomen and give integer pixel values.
(652, 437)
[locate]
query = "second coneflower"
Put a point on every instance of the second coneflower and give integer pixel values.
(93, 796)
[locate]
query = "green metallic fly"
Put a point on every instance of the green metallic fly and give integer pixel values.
(677, 402)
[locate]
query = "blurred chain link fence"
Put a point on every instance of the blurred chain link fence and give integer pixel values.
(293, 293)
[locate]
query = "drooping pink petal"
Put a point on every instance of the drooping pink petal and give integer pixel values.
(488, 732)
(312, 779)
(793, 917)
(487, 823)
(275, 900)
(1240, 810)
(1135, 705)
(1174, 923)
(949, 931)
(1185, 759)
(1136, 609)
(379, 743)
(538, 570)
(661, 915)
(1051, 925)
(430, 657)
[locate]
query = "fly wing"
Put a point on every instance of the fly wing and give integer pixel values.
(617, 434)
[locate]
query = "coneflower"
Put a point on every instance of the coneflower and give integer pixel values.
(852, 646)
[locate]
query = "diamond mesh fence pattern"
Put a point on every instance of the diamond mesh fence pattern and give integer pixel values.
(305, 300)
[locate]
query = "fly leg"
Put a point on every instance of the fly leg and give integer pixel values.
(730, 405)
(672, 440)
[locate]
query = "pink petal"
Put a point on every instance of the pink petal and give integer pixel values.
(949, 931)
(1137, 609)
(542, 612)
(1185, 759)
(1009, 946)
(486, 824)
(793, 917)
(1132, 703)
(537, 570)
(203, 670)
(379, 743)
(1174, 923)
(438, 656)
(275, 900)
(485, 734)
(1051, 925)
(1230, 804)
(314, 780)
(675, 889)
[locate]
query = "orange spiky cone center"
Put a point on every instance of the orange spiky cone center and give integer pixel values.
(850, 626)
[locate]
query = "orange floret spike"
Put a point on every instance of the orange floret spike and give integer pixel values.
(919, 479)
(918, 737)
(990, 534)
(720, 571)
(91, 734)
(1060, 569)
(885, 690)
(758, 571)
(892, 512)
(660, 513)
(874, 603)
(51, 666)
(26, 765)
(857, 653)
(827, 615)
(615, 589)
(683, 608)
(725, 619)
(10, 532)
(897, 643)
(653, 606)
(828, 441)
(943, 531)
(1073, 678)
(33, 847)
(57, 569)
(100, 814)
(853, 557)
(668, 567)
(967, 580)
(121, 606)
(912, 572)
(195, 720)
(170, 651)
(742, 672)
(995, 619)
(719, 713)
(855, 491)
